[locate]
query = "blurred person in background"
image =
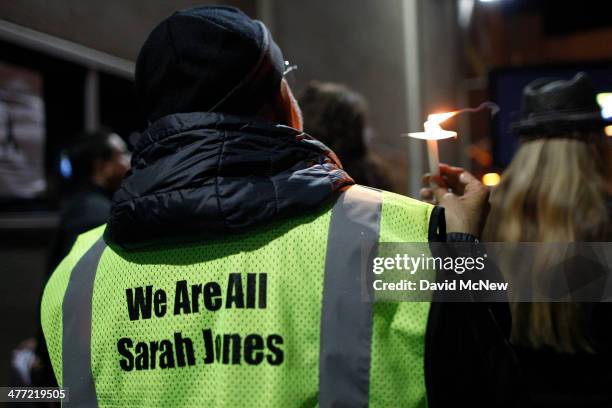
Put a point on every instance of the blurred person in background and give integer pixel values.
(98, 162)
(555, 190)
(338, 116)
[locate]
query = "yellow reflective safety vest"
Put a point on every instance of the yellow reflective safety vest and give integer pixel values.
(270, 318)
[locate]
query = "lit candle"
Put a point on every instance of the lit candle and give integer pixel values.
(433, 132)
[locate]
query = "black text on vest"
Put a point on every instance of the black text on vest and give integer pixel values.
(242, 291)
(245, 291)
(164, 353)
(226, 348)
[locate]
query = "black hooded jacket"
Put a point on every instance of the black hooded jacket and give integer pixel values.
(209, 174)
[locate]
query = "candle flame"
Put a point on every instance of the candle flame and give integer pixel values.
(433, 131)
(438, 118)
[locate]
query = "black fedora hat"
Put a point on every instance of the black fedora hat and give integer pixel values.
(553, 107)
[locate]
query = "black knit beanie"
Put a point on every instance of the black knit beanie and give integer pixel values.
(210, 58)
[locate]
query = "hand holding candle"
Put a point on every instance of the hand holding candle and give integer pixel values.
(466, 207)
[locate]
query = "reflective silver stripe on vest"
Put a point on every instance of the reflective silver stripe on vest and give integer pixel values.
(76, 331)
(346, 318)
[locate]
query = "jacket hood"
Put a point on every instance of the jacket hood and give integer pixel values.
(206, 174)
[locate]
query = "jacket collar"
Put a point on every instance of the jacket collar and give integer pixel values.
(202, 175)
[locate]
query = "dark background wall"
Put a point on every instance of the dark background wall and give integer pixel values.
(118, 27)
(23, 265)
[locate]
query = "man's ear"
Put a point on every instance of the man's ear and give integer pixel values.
(291, 108)
(283, 109)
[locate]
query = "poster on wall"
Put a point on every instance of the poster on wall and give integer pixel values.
(22, 133)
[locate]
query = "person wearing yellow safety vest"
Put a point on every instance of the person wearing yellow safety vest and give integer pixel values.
(228, 274)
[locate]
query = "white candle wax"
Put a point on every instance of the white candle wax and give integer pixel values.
(433, 155)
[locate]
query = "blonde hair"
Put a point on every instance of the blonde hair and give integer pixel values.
(553, 191)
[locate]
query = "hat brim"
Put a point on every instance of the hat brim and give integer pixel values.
(560, 122)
